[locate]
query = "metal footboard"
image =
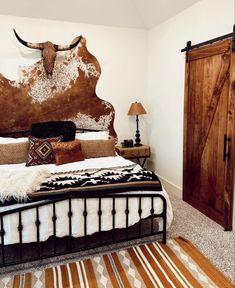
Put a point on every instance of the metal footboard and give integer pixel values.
(11, 254)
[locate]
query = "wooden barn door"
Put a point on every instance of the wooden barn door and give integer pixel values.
(209, 129)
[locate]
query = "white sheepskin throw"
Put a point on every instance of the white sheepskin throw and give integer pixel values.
(17, 184)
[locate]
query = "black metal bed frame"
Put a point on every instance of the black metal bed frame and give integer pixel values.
(72, 244)
(22, 252)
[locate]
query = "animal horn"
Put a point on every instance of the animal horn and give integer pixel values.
(28, 44)
(68, 47)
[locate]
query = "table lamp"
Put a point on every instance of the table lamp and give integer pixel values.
(137, 109)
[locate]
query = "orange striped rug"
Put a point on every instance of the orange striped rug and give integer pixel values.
(177, 264)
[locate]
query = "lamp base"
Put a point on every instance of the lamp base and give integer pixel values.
(137, 144)
(137, 138)
(137, 135)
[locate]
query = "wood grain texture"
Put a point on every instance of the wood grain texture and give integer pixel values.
(185, 135)
(133, 152)
(208, 116)
(229, 186)
(222, 47)
(213, 104)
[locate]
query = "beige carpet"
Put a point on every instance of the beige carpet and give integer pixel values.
(209, 237)
(176, 264)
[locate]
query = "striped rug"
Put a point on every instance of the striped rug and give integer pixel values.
(177, 264)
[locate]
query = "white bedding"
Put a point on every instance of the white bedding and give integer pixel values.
(62, 224)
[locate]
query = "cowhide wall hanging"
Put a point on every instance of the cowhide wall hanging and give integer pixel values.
(66, 94)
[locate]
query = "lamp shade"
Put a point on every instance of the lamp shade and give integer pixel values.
(136, 109)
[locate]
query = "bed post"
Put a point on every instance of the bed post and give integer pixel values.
(164, 220)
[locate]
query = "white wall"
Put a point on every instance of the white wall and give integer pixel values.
(205, 20)
(121, 53)
(124, 55)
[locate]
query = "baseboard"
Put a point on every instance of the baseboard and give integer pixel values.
(170, 187)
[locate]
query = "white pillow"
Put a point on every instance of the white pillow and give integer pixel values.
(99, 135)
(8, 140)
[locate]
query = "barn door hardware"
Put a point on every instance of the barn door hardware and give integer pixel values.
(188, 47)
(227, 153)
(232, 35)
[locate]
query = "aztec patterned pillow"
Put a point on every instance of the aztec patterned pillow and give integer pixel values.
(67, 152)
(40, 151)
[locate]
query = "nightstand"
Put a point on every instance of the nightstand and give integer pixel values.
(135, 152)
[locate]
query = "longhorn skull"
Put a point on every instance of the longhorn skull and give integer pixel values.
(48, 50)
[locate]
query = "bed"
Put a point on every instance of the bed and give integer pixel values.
(79, 205)
(76, 208)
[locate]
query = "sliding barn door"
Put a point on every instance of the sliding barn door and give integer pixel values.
(209, 128)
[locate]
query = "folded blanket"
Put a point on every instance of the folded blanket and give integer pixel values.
(21, 182)
(98, 182)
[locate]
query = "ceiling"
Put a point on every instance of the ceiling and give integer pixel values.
(122, 13)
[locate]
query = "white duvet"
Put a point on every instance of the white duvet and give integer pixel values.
(29, 232)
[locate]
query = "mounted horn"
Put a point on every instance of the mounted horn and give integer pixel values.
(29, 44)
(48, 51)
(68, 47)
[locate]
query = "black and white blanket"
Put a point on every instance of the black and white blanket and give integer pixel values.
(99, 182)
(94, 182)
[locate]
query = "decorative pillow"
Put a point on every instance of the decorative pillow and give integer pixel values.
(14, 153)
(98, 148)
(40, 151)
(99, 135)
(54, 129)
(67, 152)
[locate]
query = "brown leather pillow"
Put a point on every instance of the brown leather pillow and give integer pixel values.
(67, 152)
(13, 153)
(98, 148)
(40, 151)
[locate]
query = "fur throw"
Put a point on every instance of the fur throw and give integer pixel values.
(18, 183)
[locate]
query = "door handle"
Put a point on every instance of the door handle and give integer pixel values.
(227, 153)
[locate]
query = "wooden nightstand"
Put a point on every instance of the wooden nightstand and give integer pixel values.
(136, 152)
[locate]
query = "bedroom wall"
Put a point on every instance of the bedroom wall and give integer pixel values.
(205, 20)
(121, 53)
